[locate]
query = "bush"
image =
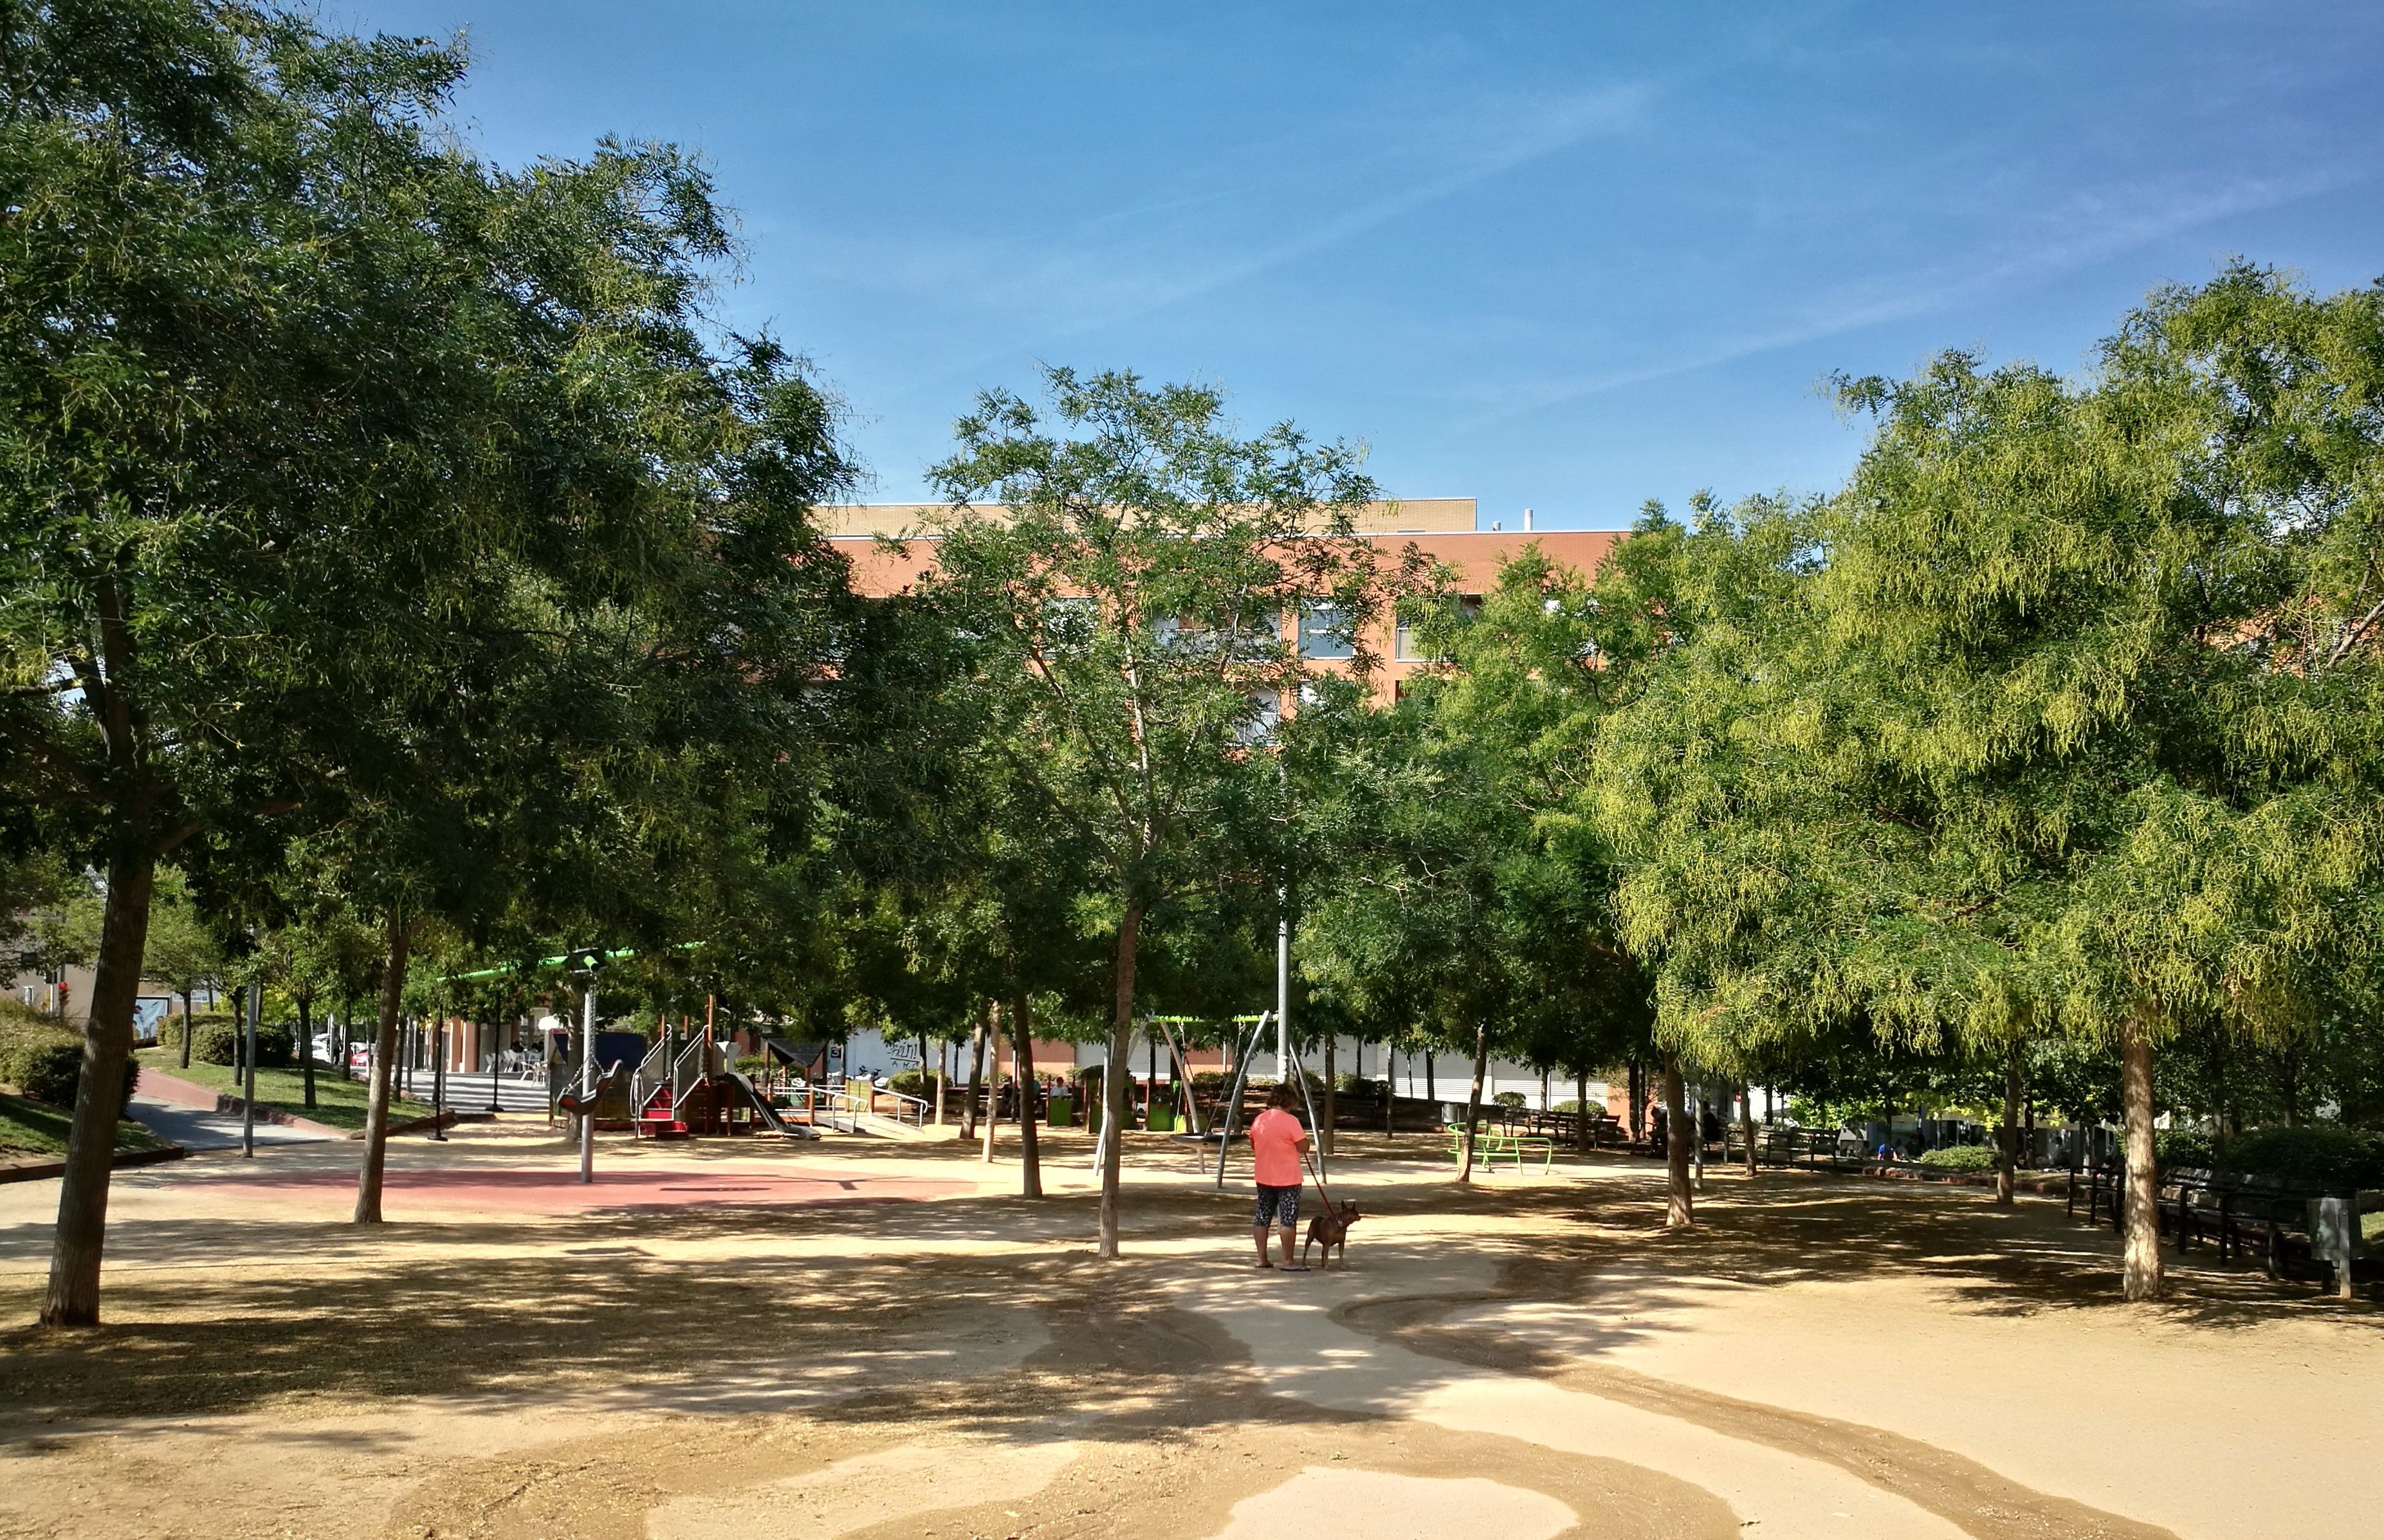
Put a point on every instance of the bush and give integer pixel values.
(1511, 1099)
(752, 1066)
(45, 1067)
(217, 1042)
(2318, 1152)
(918, 1083)
(1356, 1085)
(2190, 1148)
(1960, 1157)
(44, 1060)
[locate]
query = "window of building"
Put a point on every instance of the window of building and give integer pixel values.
(1324, 632)
(1408, 647)
(1265, 716)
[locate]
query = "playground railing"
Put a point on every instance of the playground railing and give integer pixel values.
(646, 1078)
(910, 1109)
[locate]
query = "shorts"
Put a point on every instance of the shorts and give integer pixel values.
(1277, 1206)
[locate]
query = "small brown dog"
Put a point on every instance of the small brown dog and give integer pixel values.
(1330, 1229)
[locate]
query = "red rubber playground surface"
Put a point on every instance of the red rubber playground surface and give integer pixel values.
(436, 1194)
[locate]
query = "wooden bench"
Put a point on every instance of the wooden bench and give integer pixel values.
(1489, 1147)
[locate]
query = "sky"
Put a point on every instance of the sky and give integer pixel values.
(1568, 257)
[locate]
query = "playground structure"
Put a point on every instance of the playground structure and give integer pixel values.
(685, 1088)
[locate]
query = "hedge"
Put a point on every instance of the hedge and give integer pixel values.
(2314, 1152)
(44, 1060)
(1960, 1157)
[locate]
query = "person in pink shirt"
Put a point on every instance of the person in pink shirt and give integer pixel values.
(1276, 1140)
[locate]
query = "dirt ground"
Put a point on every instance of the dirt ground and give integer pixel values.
(880, 1339)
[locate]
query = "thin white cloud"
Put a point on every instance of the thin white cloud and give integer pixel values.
(2092, 227)
(1075, 285)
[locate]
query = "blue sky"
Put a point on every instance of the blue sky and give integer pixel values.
(1568, 257)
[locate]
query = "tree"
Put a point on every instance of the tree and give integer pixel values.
(182, 949)
(316, 425)
(2060, 716)
(1127, 603)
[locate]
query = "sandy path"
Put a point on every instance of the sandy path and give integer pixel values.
(1304, 1353)
(703, 1348)
(2144, 1413)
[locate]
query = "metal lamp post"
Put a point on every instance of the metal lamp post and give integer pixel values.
(584, 964)
(438, 1075)
(248, 1072)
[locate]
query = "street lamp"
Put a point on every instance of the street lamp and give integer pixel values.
(439, 1074)
(583, 964)
(248, 1073)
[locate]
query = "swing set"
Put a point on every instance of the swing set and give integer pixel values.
(1246, 1046)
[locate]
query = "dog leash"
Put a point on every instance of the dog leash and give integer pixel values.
(1316, 1168)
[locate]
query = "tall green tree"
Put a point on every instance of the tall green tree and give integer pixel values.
(1127, 589)
(2064, 717)
(316, 425)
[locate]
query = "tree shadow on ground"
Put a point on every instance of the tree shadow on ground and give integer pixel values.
(884, 1309)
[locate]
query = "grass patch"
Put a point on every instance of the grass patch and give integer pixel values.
(339, 1101)
(29, 1127)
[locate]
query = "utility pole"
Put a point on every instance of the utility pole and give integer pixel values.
(438, 1076)
(584, 966)
(588, 1081)
(248, 1088)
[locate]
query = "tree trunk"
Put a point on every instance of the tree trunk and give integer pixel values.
(1390, 1090)
(2007, 1136)
(977, 1081)
(943, 1074)
(2141, 1274)
(1679, 1208)
(1332, 1107)
(2289, 1066)
(306, 1045)
(1114, 1087)
(1022, 1052)
(1582, 1128)
(1746, 1123)
(186, 1029)
(1473, 1097)
(73, 1296)
(1431, 1090)
(1638, 1095)
(397, 941)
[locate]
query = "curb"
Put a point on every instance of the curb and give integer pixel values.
(190, 1093)
(44, 1170)
(227, 1102)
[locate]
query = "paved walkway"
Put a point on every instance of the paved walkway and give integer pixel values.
(198, 1128)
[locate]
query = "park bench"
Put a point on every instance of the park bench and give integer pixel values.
(2232, 1210)
(1488, 1145)
(1777, 1146)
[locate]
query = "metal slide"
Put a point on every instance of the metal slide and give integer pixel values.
(767, 1113)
